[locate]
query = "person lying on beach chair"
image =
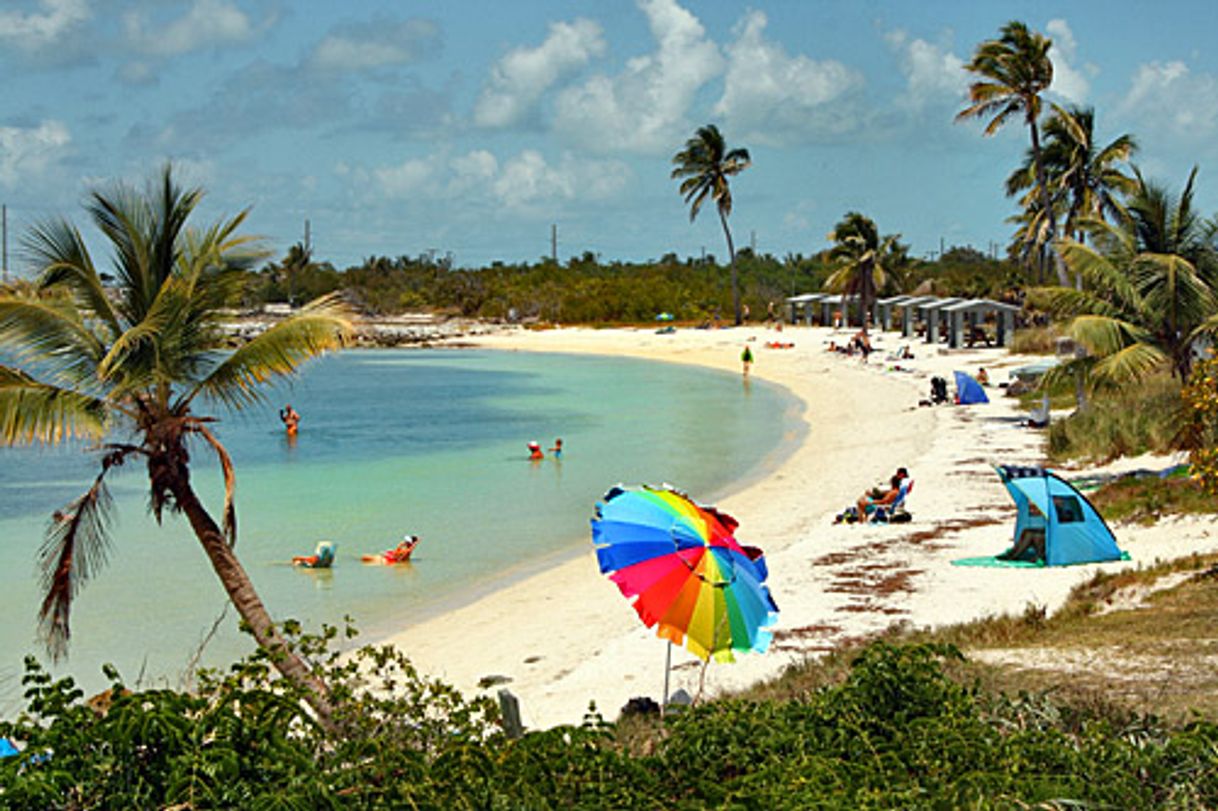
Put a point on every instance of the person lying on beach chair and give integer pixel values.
(873, 501)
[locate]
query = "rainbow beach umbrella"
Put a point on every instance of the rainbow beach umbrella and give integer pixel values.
(684, 571)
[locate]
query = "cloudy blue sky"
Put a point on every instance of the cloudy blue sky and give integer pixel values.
(470, 126)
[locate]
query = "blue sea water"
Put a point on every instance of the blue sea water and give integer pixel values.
(428, 442)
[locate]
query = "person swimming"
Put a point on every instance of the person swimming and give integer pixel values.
(557, 449)
(535, 451)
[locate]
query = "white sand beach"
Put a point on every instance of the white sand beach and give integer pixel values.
(566, 637)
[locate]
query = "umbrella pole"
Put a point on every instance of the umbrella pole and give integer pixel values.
(667, 670)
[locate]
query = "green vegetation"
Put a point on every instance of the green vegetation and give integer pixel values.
(895, 730)
(1123, 422)
(1200, 396)
(865, 261)
(1146, 499)
(132, 361)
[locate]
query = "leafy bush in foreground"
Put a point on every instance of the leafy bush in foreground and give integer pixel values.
(897, 733)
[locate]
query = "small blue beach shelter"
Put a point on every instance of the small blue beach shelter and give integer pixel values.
(968, 390)
(1074, 530)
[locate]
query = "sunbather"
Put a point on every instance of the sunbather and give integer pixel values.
(878, 497)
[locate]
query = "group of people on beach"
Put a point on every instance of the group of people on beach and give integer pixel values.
(536, 454)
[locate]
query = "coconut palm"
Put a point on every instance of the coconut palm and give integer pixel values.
(1015, 69)
(864, 260)
(706, 164)
(128, 366)
(1087, 178)
(1153, 287)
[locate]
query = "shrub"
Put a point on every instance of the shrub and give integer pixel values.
(1121, 422)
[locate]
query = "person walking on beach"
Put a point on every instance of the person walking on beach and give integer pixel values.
(746, 358)
(290, 418)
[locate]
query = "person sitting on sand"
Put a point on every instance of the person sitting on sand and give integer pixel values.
(983, 377)
(1030, 548)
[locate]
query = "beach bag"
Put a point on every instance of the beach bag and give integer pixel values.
(900, 516)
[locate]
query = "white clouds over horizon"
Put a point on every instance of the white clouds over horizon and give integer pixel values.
(206, 24)
(519, 183)
(932, 72)
(518, 80)
(34, 30)
(378, 43)
(27, 151)
(1068, 81)
(773, 98)
(644, 108)
(1169, 97)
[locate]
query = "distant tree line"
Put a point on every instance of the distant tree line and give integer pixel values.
(586, 290)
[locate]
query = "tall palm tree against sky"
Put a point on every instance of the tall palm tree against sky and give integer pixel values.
(706, 164)
(128, 365)
(1014, 70)
(1088, 177)
(863, 260)
(1153, 286)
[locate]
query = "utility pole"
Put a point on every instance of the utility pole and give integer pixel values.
(554, 243)
(308, 241)
(753, 242)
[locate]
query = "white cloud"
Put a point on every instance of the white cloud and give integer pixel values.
(520, 78)
(523, 182)
(377, 43)
(932, 72)
(206, 24)
(1068, 82)
(27, 151)
(1169, 97)
(643, 108)
(414, 177)
(34, 30)
(771, 97)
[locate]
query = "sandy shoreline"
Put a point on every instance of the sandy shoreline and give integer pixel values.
(565, 637)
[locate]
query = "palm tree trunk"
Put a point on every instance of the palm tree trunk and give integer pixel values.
(245, 599)
(731, 254)
(1062, 278)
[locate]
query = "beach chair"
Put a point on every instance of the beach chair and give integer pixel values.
(1039, 416)
(896, 512)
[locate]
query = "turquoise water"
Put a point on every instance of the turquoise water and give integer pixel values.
(428, 442)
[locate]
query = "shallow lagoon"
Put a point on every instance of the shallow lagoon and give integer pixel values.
(430, 442)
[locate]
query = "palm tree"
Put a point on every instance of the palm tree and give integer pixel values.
(1153, 288)
(1015, 70)
(706, 164)
(1087, 178)
(128, 364)
(864, 261)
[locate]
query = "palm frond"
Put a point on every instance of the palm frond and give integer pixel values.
(1104, 335)
(74, 549)
(322, 325)
(34, 411)
(58, 250)
(48, 332)
(1130, 364)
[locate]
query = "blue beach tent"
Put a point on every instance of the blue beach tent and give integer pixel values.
(1074, 531)
(968, 390)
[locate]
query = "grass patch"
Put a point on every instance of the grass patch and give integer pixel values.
(1035, 340)
(1123, 422)
(1146, 499)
